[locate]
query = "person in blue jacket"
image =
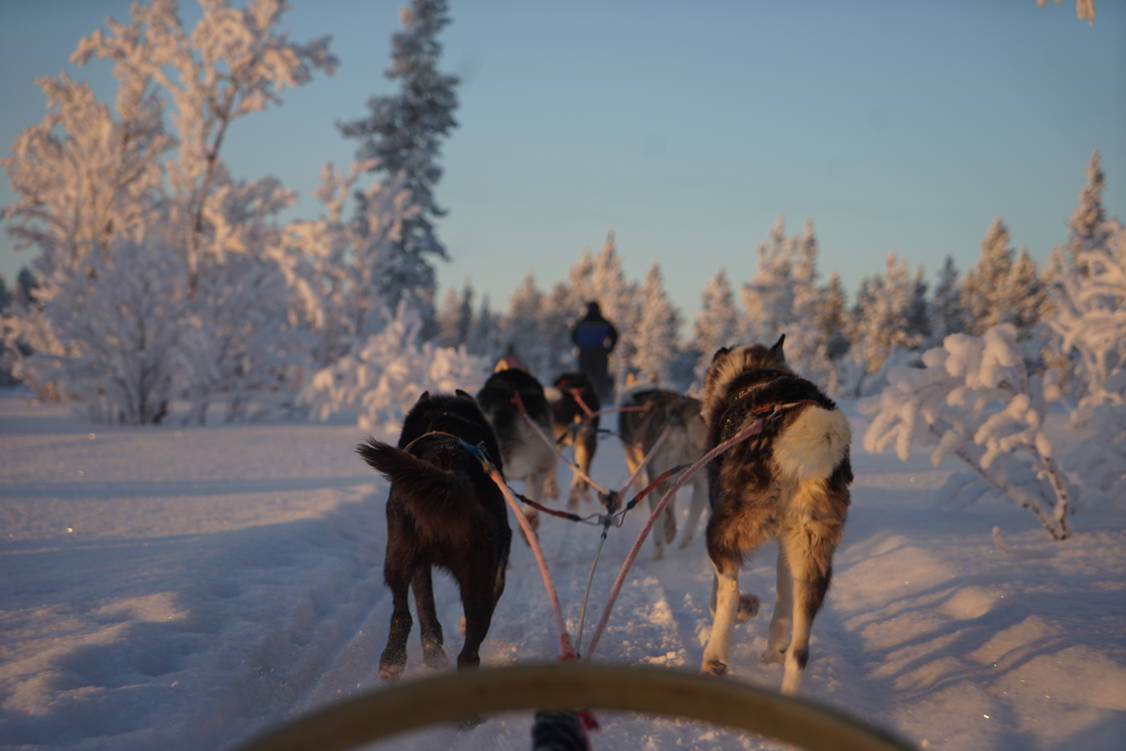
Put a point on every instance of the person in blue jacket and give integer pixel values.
(595, 337)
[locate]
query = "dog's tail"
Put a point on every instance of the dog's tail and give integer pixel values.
(416, 477)
(814, 444)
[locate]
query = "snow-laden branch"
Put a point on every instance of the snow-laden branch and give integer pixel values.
(974, 399)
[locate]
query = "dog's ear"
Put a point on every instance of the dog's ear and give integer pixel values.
(424, 396)
(776, 350)
(720, 354)
(461, 393)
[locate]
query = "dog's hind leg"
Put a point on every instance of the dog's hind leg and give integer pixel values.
(478, 597)
(696, 510)
(585, 443)
(666, 533)
(782, 620)
(430, 627)
(394, 657)
(810, 562)
(727, 606)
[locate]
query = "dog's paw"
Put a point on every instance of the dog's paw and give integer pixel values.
(748, 608)
(713, 666)
(435, 658)
(670, 528)
(390, 671)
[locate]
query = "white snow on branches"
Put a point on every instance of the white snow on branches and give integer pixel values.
(974, 398)
(382, 379)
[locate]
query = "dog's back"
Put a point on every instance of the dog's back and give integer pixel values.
(787, 482)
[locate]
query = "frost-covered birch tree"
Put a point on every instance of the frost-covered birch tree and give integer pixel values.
(234, 62)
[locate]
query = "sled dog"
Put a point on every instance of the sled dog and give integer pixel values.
(788, 483)
(443, 510)
(527, 456)
(649, 413)
(574, 426)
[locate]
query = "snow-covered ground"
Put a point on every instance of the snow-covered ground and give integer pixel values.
(184, 588)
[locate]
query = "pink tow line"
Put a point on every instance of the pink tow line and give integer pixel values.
(743, 435)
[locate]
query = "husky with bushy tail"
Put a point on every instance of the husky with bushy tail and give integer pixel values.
(790, 482)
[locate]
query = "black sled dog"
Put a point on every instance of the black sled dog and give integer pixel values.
(527, 455)
(649, 413)
(575, 427)
(788, 483)
(443, 511)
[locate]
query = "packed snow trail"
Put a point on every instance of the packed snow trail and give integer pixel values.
(184, 589)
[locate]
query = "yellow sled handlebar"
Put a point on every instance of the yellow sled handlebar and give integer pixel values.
(459, 696)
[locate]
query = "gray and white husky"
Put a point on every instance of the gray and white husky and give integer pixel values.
(788, 483)
(649, 413)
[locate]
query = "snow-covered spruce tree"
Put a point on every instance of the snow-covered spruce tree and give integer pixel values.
(783, 297)
(1087, 225)
(483, 340)
(948, 314)
(974, 399)
(559, 314)
(455, 317)
(881, 320)
(402, 134)
(1089, 316)
(380, 381)
(618, 298)
(520, 329)
(768, 299)
(657, 332)
(1028, 292)
(831, 325)
(717, 324)
(1000, 289)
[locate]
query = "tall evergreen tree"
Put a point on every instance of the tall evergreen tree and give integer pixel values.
(919, 324)
(656, 335)
(403, 133)
(882, 315)
(717, 325)
(617, 297)
(482, 335)
(830, 331)
(1028, 293)
(985, 291)
(947, 311)
(1087, 225)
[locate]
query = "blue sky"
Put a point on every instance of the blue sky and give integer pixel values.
(688, 127)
